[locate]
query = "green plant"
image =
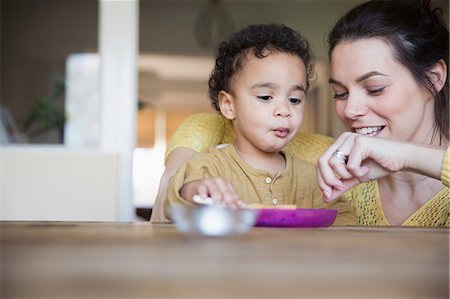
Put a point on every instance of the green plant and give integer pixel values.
(47, 113)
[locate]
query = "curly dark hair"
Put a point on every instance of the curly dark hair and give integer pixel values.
(262, 40)
(417, 35)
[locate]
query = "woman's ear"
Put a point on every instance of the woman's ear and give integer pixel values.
(226, 104)
(438, 75)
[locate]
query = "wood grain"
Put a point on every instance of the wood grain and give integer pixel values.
(141, 260)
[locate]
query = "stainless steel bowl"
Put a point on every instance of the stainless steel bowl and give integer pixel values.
(213, 220)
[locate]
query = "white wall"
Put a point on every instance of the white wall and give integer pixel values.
(57, 183)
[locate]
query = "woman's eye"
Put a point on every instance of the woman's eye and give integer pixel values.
(376, 92)
(340, 96)
(264, 98)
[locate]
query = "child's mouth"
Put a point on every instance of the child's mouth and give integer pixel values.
(281, 132)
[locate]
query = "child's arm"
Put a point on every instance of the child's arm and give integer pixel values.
(217, 188)
(200, 176)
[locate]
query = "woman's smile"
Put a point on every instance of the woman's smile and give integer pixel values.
(369, 131)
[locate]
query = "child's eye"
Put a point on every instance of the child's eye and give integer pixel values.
(376, 92)
(264, 98)
(295, 101)
(340, 96)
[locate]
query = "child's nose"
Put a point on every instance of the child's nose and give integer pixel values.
(282, 109)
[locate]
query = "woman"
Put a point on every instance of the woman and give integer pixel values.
(389, 62)
(389, 74)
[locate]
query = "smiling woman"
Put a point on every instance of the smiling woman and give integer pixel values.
(391, 91)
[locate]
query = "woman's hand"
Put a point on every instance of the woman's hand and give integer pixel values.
(217, 188)
(369, 158)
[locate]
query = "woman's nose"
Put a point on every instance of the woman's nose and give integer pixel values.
(355, 106)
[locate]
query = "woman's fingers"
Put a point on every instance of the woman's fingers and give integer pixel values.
(339, 158)
(347, 184)
(354, 159)
(326, 189)
(331, 167)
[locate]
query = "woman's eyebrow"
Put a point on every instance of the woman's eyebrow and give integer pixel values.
(334, 81)
(370, 74)
(359, 79)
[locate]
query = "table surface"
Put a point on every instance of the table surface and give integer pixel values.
(137, 260)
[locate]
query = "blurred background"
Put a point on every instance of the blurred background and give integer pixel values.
(92, 90)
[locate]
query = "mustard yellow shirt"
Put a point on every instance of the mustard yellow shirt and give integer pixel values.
(295, 185)
(204, 130)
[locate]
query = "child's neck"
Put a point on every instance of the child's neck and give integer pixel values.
(272, 162)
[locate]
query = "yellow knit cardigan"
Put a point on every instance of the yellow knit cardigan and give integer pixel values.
(203, 130)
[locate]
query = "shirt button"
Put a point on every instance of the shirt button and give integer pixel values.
(268, 180)
(274, 201)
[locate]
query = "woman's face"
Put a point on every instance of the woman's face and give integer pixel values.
(377, 96)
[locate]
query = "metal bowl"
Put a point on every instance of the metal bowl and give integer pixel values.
(213, 220)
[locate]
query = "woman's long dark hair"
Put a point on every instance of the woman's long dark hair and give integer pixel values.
(417, 35)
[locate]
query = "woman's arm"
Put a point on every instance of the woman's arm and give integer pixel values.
(371, 158)
(176, 158)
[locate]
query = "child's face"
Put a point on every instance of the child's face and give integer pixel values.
(267, 101)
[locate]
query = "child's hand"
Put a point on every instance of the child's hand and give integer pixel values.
(217, 188)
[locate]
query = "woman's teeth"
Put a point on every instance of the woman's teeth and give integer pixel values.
(368, 130)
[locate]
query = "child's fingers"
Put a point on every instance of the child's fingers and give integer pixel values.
(231, 198)
(202, 190)
(220, 191)
(223, 193)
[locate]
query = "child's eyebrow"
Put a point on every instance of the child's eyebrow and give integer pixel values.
(275, 85)
(299, 87)
(264, 84)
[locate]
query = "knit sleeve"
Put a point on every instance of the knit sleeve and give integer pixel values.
(308, 146)
(201, 131)
(445, 173)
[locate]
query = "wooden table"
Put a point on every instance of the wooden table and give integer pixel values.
(141, 260)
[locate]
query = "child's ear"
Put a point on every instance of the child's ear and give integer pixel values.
(226, 104)
(438, 75)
